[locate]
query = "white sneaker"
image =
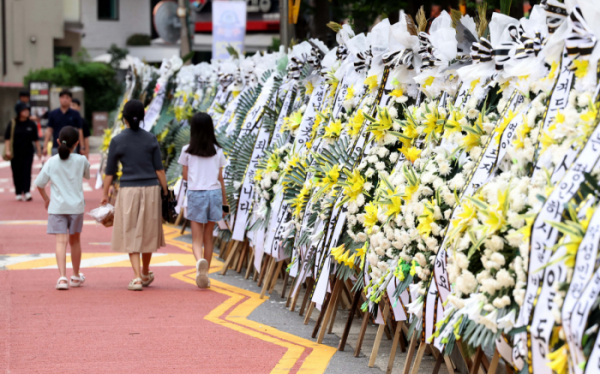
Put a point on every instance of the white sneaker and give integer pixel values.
(19, 198)
(202, 280)
(27, 196)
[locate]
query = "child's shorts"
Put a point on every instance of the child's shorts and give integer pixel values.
(65, 223)
(205, 206)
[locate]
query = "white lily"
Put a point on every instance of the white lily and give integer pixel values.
(507, 322)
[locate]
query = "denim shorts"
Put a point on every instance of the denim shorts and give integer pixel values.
(65, 223)
(205, 206)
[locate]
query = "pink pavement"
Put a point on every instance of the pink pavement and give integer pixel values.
(102, 327)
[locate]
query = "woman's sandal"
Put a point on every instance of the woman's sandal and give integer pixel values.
(134, 285)
(62, 286)
(202, 280)
(147, 279)
(77, 281)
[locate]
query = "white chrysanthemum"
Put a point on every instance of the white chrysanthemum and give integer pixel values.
(466, 283)
(457, 183)
(497, 257)
(383, 266)
(472, 114)
(360, 200)
(504, 278)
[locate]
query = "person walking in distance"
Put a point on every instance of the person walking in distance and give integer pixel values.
(203, 163)
(60, 118)
(84, 148)
(19, 139)
(138, 210)
(65, 172)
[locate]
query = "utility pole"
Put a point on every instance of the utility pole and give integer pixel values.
(183, 14)
(286, 30)
(284, 11)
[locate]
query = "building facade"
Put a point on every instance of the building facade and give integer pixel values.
(33, 32)
(107, 22)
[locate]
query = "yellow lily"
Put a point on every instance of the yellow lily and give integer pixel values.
(522, 132)
(337, 252)
(334, 129)
(353, 186)
(350, 93)
(581, 67)
(452, 124)
(547, 139)
(397, 92)
(474, 83)
(426, 219)
(428, 82)
(383, 124)
(552, 74)
(411, 154)
(292, 122)
(355, 124)
(502, 126)
(309, 88)
(370, 215)
(395, 206)
(559, 360)
(371, 82)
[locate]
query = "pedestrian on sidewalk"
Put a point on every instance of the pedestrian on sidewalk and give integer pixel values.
(203, 163)
(84, 149)
(59, 118)
(65, 172)
(19, 139)
(138, 210)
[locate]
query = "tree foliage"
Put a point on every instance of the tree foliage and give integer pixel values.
(102, 91)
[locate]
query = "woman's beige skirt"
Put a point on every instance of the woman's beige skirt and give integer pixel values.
(138, 220)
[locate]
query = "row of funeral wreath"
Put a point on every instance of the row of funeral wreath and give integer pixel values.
(452, 174)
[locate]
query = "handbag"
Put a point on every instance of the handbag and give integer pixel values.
(169, 202)
(12, 139)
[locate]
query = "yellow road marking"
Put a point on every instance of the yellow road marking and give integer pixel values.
(315, 362)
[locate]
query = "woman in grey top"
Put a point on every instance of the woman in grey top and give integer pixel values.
(138, 216)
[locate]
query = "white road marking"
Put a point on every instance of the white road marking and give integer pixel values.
(12, 260)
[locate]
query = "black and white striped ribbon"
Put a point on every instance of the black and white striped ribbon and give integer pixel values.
(556, 13)
(342, 52)
(315, 58)
(426, 51)
(530, 47)
(482, 51)
(295, 68)
(225, 79)
(238, 78)
(581, 40)
(502, 53)
(363, 61)
(397, 58)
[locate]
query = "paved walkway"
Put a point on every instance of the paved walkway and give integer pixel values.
(170, 327)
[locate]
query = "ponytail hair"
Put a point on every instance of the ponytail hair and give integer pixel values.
(133, 112)
(67, 137)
